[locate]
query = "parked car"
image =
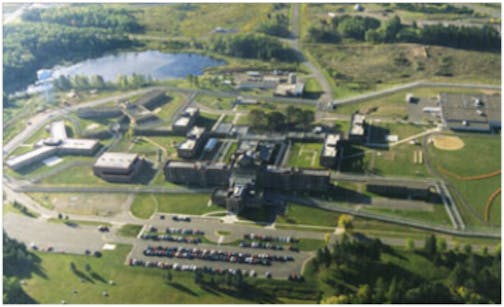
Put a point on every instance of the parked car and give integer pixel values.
(103, 228)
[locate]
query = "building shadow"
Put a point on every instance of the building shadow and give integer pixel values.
(376, 136)
(352, 160)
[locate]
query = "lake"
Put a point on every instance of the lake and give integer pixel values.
(157, 64)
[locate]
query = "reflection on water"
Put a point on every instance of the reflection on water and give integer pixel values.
(154, 63)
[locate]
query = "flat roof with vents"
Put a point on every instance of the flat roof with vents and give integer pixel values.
(117, 160)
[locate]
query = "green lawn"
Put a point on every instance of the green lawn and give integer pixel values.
(298, 214)
(397, 161)
(167, 110)
(305, 155)
(132, 285)
(144, 206)
(232, 149)
(436, 217)
(484, 153)
(185, 203)
(310, 244)
(216, 103)
(129, 230)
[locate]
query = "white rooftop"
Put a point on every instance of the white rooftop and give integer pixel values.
(34, 154)
(332, 139)
(182, 122)
(188, 144)
(58, 131)
(117, 160)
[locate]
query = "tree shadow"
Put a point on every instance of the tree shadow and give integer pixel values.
(183, 288)
(82, 276)
(98, 277)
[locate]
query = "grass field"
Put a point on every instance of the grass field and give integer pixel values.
(305, 155)
(216, 103)
(381, 69)
(232, 149)
(395, 161)
(132, 285)
(98, 204)
(145, 205)
(167, 110)
(199, 20)
(484, 153)
(298, 214)
(437, 217)
(129, 230)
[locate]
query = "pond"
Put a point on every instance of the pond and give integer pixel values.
(157, 64)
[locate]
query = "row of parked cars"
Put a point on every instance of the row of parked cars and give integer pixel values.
(185, 231)
(205, 269)
(267, 245)
(170, 238)
(213, 255)
(266, 238)
(191, 268)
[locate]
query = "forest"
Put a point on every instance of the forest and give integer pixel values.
(355, 272)
(18, 262)
(253, 46)
(63, 34)
(370, 29)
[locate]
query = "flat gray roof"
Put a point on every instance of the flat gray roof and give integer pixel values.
(475, 109)
(87, 144)
(119, 160)
(34, 154)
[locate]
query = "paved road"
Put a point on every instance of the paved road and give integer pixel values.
(411, 85)
(294, 43)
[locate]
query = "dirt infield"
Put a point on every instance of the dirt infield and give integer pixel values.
(446, 142)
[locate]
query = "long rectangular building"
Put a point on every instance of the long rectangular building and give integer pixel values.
(197, 173)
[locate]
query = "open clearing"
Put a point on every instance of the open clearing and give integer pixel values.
(102, 204)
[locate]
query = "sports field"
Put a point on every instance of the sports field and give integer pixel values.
(480, 155)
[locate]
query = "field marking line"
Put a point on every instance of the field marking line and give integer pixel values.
(489, 202)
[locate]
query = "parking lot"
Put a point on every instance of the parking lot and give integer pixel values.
(210, 225)
(277, 269)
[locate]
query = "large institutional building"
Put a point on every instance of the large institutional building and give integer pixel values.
(57, 144)
(241, 183)
(117, 166)
(465, 112)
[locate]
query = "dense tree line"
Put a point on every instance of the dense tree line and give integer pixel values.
(29, 47)
(16, 261)
(434, 8)
(98, 16)
(277, 25)
(278, 121)
(253, 46)
(392, 31)
(472, 278)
